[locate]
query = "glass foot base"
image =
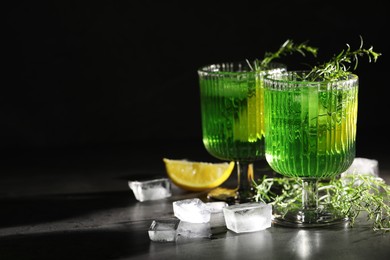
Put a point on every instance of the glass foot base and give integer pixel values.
(308, 218)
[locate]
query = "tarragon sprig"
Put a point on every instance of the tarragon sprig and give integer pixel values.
(278, 191)
(343, 64)
(356, 193)
(287, 48)
(350, 195)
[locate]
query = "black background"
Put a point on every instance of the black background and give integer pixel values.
(112, 74)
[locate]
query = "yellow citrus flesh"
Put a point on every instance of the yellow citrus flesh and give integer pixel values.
(197, 176)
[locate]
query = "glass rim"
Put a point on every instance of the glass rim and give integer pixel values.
(279, 78)
(214, 68)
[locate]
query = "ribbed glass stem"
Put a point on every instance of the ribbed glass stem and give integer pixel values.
(309, 194)
(245, 177)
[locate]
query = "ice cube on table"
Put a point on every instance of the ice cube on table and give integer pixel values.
(187, 230)
(248, 217)
(163, 230)
(217, 218)
(363, 166)
(191, 210)
(151, 189)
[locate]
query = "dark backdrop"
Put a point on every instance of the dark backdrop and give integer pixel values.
(116, 73)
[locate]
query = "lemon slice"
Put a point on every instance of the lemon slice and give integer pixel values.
(197, 176)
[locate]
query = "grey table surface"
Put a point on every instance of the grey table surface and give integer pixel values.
(63, 206)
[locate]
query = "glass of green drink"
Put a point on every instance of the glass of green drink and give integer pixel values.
(231, 97)
(310, 129)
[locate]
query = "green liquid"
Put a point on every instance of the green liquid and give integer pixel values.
(232, 117)
(310, 131)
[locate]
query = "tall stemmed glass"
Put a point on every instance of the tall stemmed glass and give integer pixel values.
(231, 97)
(310, 129)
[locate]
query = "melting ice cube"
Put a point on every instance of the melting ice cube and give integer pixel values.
(151, 190)
(191, 210)
(217, 218)
(163, 230)
(248, 217)
(187, 230)
(363, 166)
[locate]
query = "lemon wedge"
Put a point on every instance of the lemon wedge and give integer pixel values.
(197, 176)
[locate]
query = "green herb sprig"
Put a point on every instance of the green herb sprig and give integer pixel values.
(356, 193)
(351, 195)
(287, 48)
(343, 64)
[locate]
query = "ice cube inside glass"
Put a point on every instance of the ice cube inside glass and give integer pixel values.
(151, 189)
(248, 217)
